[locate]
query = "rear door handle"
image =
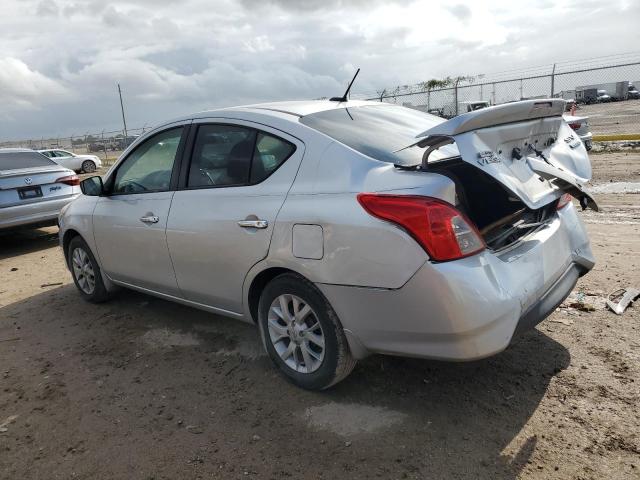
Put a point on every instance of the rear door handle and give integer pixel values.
(149, 219)
(253, 223)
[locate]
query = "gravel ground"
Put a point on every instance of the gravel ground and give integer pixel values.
(140, 388)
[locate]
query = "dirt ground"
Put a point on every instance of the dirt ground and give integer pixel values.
(140, 388)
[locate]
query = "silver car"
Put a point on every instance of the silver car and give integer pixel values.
(344, 229)
(33, 189)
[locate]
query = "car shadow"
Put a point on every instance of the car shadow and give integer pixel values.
(18, 242)
(445, 420)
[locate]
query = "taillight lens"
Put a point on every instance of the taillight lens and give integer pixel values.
(575, 126)
(72, 180)
(563, 201)
(443, 231)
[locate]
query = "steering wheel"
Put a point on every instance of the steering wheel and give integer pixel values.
(128, 187)
(204, 173)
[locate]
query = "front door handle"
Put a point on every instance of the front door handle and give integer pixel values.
(149, 219)
(253, 223)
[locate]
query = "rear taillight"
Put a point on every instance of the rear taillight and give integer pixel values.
(563, 201)
(437, 226)
(72, 180)
(575, 126)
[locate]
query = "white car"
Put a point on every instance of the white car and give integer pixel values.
(79, 163)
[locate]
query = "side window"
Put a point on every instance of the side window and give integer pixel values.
(148, 168)
(221, 156)
(270, 153)
(60, 153)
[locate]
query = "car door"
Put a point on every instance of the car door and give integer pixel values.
(222, 217)
(65, 159)
(130, 221)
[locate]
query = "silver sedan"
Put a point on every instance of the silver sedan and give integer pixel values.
(343, 229)
(33, 189)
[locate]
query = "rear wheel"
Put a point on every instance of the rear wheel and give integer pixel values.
(88, 166)
(86, 272)
(302, 333)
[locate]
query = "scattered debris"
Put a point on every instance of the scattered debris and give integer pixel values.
(195, 429)
(564, 321)
(14, 339)
(14, 269)
(44, 285)
(6, 422)
(623, 298)
(584, 302)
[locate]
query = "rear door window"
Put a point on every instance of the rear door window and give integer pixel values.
(221, 156)
(17, 160)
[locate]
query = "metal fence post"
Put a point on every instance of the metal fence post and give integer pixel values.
(455, 94)
(553, 78)
(104, 147)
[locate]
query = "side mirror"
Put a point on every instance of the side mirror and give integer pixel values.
(92, 186)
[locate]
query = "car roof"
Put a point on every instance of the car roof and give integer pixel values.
(15, 150)
(294, 108)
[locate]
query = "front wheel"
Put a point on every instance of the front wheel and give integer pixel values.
(86, 272)
(302, 333)
(88, 166)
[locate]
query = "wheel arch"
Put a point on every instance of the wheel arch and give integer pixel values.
(259, 281)
(69, 235)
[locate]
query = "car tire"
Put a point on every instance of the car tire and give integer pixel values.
(306, 341)
(88, 166)
(86, 272)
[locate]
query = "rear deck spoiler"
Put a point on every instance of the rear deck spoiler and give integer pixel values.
(497, 115)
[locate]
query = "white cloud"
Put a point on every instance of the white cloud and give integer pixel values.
(24, 88)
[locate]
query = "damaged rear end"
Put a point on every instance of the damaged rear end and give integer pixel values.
(515, 166)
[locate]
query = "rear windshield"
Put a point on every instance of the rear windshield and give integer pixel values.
(378, 131)
(17, 160)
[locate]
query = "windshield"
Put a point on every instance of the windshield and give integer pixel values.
(17, 160)
(379, 131)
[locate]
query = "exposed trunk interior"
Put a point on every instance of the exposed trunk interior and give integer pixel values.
(502, 218)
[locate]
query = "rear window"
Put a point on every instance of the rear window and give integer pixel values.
(379, 131)
(17, 160)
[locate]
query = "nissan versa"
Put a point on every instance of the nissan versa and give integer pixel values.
(345, 228)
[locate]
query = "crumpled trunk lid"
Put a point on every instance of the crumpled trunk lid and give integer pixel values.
(526, 146)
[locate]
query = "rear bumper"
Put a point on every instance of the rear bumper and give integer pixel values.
(33, 214)
(470, 308)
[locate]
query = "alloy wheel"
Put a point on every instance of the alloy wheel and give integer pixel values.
(83, 271)
(88, 166)
(296, 333)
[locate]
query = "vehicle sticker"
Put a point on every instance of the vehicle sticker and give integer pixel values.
(487, 157)
(572, 141)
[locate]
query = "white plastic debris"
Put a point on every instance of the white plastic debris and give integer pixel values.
(624, 297)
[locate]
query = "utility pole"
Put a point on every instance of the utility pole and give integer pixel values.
(124, 121)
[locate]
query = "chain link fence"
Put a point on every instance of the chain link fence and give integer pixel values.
(605, 90)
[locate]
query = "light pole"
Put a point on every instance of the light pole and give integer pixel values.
(124, 121)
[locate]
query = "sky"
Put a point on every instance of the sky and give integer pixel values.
(60, 60)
